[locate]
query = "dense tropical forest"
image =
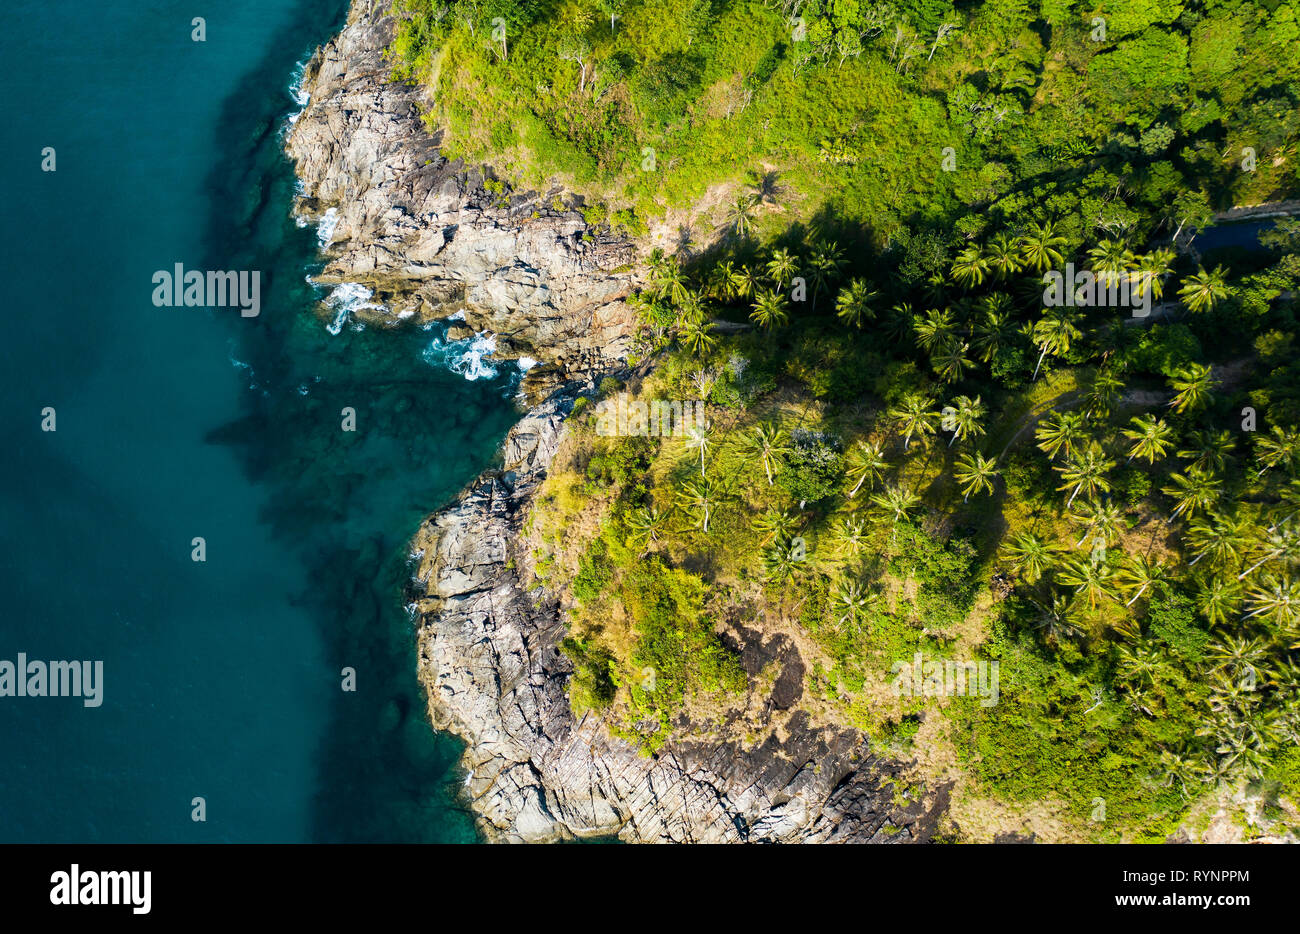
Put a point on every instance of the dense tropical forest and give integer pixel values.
(857, 217)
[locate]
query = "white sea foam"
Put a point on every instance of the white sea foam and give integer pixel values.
(526, 364)
(298, 189)
(325, 229)
(301, 96)
(346, 298)
(467, 358)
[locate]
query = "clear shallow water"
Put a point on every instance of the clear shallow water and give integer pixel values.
(221, 679)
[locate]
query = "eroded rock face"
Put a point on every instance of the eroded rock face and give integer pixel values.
(427, 237)
(489, 658)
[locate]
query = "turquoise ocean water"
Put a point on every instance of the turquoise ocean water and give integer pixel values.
(221, 678)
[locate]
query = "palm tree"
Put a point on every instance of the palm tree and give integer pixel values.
(951, 362)
(1111, 258)
(1289, 497)
(1058, 621)
(899, 323)
(1040, 247)
(691, 308)
(669, 280)
(853, 304)
(851, 536)
(896, 501)
(740, 216)
(1192, 384)
(1152, 438)
(657, 261)
(1141, 574)
(722, 281)
(1182, 769)
(1085, 470)
(935, 290)
(782, 267)
(769, 443)
(975, 473)
(1280, 448)
(697, 337)
(1237, 654)
(774, 525)
(914, 415)
(851, 602)
(1031, 557)
(965, 310)
(934, 329)
(995, 302)
(1152, 269)
(1093, 577)
(969, 267)
(1229, 691)
(646, 524)
(700, 496)
(1276, 599)
(993, 332)
(1099, 520)
(745, 282)
(866, 461)
(1232, 752)
(1104, 392)
(1192, 492)
(782, 560)
(1139, 664)
(770, 310)
(1281, 546)
(827, 260)
(1286, 677)
(699, 437)
(967, 418)
(1217, 599)
(1202, 291)
(1218, 537)
(1061, 433)
(1004, 256)
(1053, 333)
(1209, 451)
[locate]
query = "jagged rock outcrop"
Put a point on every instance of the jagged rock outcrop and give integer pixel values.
(426, 236)
(430, 240)
(489, 658)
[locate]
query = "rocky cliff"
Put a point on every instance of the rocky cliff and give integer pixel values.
(489, 659)
(425, 236)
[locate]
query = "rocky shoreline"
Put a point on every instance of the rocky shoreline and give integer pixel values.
(428, 239)
(489, 659)
(425, 236)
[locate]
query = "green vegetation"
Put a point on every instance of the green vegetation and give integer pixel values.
(1139, 510)
(862, 108)
(903, 450)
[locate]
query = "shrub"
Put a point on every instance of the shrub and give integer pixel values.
(592, 686)
(814, 467)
